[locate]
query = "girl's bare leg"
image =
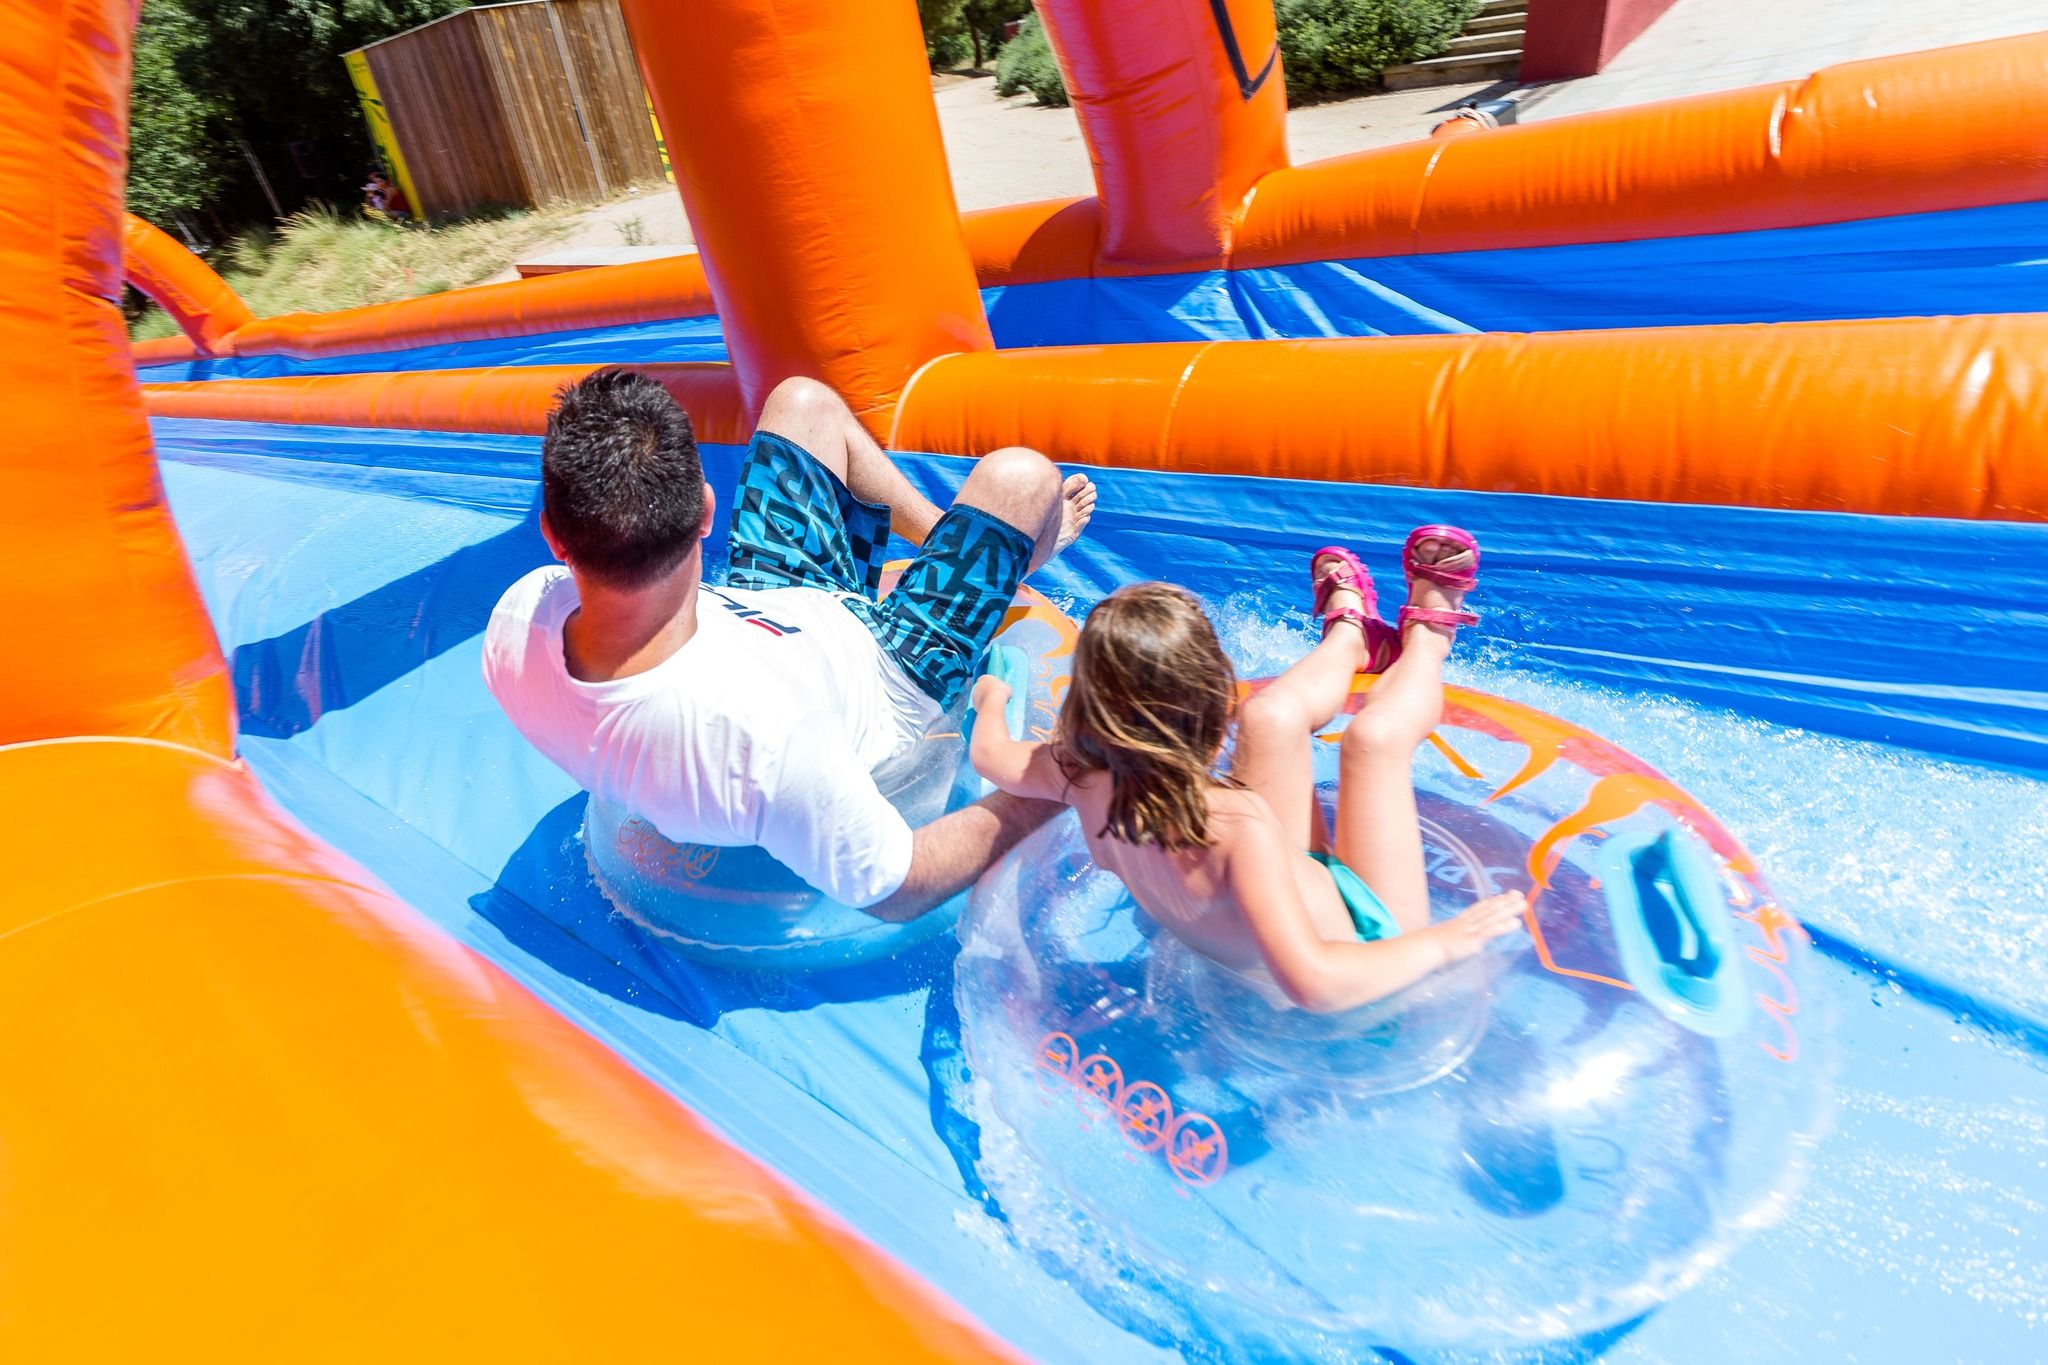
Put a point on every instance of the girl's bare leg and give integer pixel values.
(1379, 832)
(1277, 724)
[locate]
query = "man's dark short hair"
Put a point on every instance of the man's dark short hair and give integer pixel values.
(620, 478)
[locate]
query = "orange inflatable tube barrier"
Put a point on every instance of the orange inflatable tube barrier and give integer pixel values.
(1930, 130)
(643, 291)
(1910, 134)
(509, 401)
(293, 1120)
(1931, 417)
(1911, 417)
(163, 350)
(203, 305)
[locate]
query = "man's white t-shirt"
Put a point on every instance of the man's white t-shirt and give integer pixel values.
(763, 729)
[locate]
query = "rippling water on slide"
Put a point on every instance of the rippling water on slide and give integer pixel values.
(1861, 701)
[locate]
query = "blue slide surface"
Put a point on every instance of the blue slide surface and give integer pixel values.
(1794, 670)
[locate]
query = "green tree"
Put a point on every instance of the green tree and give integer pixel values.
(269, 77)
(172, 163)
(945, 31)
(985, 20)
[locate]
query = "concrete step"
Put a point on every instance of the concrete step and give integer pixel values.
(1496, 23)
(1493, 7)
(1497, 44)
(1452, 70)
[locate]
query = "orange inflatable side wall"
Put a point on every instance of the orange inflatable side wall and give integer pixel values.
(1184, 110)
(261, 1105)
(105, 634)
(203, 305)
(163, 350)
(1943, 417)
(248, 1097)
(1912, 134)
(1920, 416)
(609, 296)
(1046, 239)
(806, 148)
(644, 291)
(509, 401)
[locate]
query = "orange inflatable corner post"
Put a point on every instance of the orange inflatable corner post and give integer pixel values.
(205, 307)
(840, 255)
(1184, 108)
(107, 635)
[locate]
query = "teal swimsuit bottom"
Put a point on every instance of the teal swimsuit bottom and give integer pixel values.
(1371, 916)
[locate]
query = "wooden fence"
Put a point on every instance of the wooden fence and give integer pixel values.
(514, 104)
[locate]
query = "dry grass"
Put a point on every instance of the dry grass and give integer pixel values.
(319, 260)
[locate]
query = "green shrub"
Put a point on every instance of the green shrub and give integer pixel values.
(1026, 63)
(1333, 47)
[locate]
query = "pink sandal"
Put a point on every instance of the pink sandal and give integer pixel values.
(1382, 642)
(1459, 572)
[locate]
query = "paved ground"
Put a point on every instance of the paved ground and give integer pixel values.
(1702, 45)
(1009, 151)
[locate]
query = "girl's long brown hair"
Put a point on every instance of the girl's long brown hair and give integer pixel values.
(1149, 704)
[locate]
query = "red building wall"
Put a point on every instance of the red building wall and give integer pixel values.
(1578, 37)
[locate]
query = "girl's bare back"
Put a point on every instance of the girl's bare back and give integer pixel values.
(1189, 890)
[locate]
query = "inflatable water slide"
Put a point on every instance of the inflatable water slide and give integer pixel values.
(338, 1024)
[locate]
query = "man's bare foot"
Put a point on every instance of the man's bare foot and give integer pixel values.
(1077, 508)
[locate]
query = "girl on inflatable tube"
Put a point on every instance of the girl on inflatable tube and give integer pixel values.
(1243, 869)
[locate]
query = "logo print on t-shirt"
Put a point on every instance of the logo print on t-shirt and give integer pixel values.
(754, 617)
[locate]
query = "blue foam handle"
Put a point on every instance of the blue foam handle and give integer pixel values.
(1013, 666)
(1010, 664)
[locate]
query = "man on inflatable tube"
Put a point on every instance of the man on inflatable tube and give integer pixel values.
(754, 713)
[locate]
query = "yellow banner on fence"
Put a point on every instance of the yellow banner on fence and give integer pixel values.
(381, 131)
(660, 142)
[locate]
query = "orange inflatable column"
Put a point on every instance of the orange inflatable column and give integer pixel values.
(106, 634)
(205, 306)
(806, 148)
(1184, 110)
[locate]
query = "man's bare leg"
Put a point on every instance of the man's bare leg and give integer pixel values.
(1016, 485)
(1023, 488)
(810, 414)
(1277, 725)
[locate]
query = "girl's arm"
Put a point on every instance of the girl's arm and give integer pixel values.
(1328, 977)
(1019, 767)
